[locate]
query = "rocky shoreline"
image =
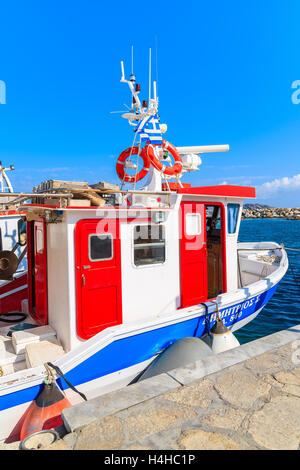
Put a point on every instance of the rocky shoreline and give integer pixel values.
(271, 213)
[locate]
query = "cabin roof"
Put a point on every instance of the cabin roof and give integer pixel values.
(226, 190)
(223, 190)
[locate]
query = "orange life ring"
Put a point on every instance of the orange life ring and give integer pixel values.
(166, 170)
(121, 161)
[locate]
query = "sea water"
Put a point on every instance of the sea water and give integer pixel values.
(283, 310)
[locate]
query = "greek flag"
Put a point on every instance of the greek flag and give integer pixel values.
(149, 129)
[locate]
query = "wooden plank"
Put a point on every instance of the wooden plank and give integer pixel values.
(103, 185)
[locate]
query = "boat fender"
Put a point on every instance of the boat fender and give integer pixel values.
(179, 354)
(222, 339)
(45, 410)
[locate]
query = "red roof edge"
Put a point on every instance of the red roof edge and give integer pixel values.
(225, 190)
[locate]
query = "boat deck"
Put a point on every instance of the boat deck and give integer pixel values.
(28, 347)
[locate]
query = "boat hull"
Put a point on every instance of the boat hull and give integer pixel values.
(112, 359)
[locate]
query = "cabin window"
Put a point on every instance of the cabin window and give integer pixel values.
(39, 241)
(100, 247)
(232, 217)
(192, 224)
(22, 232)
(149, 245)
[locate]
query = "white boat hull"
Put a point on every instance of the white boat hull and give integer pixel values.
(113, 357)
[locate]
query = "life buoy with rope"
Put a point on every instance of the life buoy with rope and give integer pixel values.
(121, 163)
(174, 170)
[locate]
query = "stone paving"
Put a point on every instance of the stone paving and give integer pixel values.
(251, 405)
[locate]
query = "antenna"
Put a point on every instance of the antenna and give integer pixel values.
(131, 83)
(149, 74)
(156, 63)
(154, 91)
(132, 76)
(122, 69)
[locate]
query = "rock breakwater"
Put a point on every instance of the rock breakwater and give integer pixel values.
(271, 213)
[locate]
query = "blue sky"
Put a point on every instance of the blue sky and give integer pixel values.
(225, 72)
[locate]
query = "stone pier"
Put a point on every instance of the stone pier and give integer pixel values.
(246, 398)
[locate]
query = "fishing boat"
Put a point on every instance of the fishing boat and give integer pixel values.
(116, 277)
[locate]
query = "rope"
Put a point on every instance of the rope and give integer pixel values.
(269, 249)
(20, 317)
(282, 247)
(296, 250)
(260, 249)
(207, 321)
(60, 374)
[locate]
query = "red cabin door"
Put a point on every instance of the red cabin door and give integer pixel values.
(193, 254)
(98, 276)
(38, 273)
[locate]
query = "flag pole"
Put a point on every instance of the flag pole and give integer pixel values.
(149, 75)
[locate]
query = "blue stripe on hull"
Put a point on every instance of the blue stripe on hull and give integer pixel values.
(132, 350)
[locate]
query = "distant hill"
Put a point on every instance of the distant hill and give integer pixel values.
(257, 206)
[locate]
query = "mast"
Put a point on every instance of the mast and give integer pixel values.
(149, 74)
(146, 122)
